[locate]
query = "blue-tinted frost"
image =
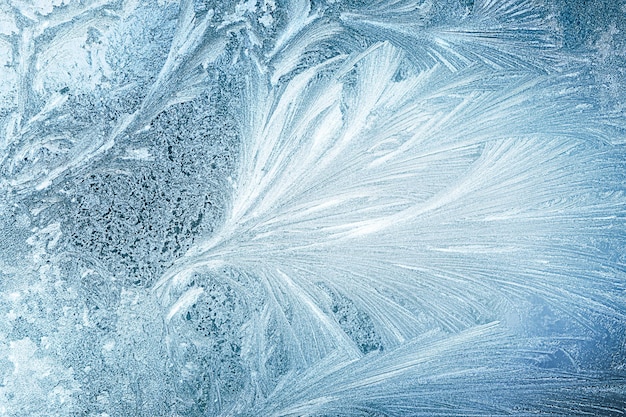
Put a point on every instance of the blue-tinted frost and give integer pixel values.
(312, 208)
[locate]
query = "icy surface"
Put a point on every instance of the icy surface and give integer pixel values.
(312, 208)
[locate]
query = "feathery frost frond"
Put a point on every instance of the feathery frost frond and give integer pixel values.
(430, 195)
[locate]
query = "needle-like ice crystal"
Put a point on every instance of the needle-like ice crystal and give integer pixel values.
(312, 208)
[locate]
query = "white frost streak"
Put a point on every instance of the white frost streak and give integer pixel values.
(428, 197)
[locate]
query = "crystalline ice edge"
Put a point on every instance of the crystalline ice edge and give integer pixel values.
(312, 208)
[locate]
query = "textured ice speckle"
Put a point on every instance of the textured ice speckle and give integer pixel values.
(320, 208)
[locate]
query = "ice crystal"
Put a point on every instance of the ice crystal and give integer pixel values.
(312, 208)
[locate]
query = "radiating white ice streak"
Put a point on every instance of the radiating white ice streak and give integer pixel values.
(498, 34)
(436, 198)
(470, 373)
(196, 43)
(310, 183)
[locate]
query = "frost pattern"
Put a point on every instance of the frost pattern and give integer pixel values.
(311, 208)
